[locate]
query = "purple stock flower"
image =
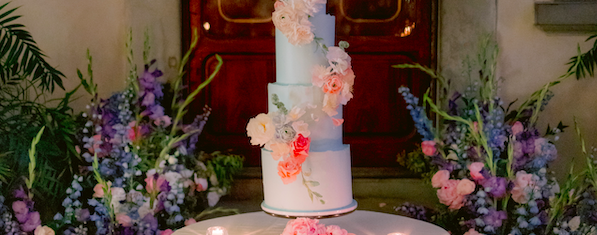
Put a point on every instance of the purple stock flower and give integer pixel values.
(32, 222)
(20, 193)
(497, 186)
(150, 220)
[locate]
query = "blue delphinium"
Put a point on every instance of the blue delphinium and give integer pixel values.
(422, 123)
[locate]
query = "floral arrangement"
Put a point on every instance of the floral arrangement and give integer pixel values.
(143, 173)
(488, 163)
(291, 17)
(306, 226)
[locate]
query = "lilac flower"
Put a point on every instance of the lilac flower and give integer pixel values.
(494, 218)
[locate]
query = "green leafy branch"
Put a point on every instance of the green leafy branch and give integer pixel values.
(20, 57)
(32, 152)
(310, 183)
(583, 64)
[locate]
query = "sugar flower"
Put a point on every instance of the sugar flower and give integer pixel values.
(288, 170)
(279, 150)
(260, 129)
(338, 59)
(301, 128)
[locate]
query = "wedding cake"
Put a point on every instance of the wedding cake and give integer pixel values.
(306, 167)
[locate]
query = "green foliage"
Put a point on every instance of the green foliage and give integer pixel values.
(224, 166)
(416, 162)
(583, 64)
(21, 58)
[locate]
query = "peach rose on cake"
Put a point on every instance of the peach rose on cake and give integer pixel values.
(333, 85)
(288, 170)
(320, 75)
(260, 129)
(284, 17)
(300, 34)
(279, 150)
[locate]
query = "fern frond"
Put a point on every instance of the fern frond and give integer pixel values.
(20, 57)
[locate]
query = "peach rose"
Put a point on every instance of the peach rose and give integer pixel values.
(284, 17)
(304, 226)
(260, 129)
(279, 150)
(428, 147)
(124, 220)
(440, 178)
(448, 195)
(465, 187)
(43, 230)
(333, 85)
(288, 170)
(475, 169)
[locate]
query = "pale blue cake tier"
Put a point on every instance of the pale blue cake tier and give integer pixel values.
(324, 134)
(295, 63)
(331, 169)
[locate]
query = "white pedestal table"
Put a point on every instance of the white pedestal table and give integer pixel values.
(358, 222)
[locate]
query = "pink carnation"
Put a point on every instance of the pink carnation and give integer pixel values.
(336, 230)
(475, 169)
(428, 147)
(304, 226)
(440, 178)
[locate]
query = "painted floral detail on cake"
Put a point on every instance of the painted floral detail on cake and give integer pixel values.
(336, 79)
(287, 136)
(291, 17)
(306, 226)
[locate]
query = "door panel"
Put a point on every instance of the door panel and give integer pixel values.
(381, 33)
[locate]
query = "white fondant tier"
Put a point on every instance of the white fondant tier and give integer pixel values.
(324, 134)
(294, 63)
(331, 169)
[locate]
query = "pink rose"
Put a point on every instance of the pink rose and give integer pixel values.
(448, 195)
(189, 222)
(124, 220)
(428, 147)
(167, 232)
(465, 187)
(517, 128)
(304, 226)
(333, 85)
(279, 150)
(288, 170)
(475, 169)
(335, 230)
(440, 178)
(472, 232)
(523, 184)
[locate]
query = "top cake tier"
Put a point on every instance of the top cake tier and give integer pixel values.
(295, 63)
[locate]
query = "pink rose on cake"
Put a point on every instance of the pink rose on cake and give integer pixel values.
(300, 148)
(336, 80)
(292, 20)
(288, 169)
(260, 129)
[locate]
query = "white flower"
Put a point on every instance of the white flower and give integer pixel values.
(43, 230)
(338, 59)
(201, 183)
(212, 198)
(144, 209)
(172, 160)
(574, 223)
(260, 129)
(172, 177)
(295, 113)
(118, 195)
(301, 128)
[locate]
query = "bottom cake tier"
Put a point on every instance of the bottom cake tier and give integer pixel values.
(323, 188)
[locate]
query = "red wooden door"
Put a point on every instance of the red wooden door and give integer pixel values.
(381, 33)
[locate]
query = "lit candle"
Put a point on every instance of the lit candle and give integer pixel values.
(217, 230)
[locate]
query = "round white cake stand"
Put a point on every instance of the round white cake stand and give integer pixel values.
(310, 214)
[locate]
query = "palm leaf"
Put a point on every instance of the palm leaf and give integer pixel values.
(20, 57)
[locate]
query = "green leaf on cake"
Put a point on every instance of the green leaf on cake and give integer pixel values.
(278, 104)
(322, 201)
(317, 194)
(313, 183)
